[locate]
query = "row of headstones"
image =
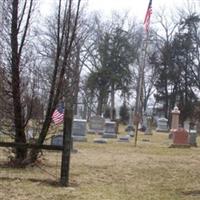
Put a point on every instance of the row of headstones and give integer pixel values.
(96, 124)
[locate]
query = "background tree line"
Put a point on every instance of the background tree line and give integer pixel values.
(84, 58)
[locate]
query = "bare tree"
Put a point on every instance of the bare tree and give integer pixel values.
(17, 20)
(65, 34)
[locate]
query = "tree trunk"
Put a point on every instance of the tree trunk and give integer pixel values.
(100, 105)
(15, 62)
(77, 79)
(112, 102)
(67, 140)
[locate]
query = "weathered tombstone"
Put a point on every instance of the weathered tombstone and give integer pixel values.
(100, 141)
(162, 125)
(186, 125)
(79, 128)
(180, 138)
(148, 130)
(130, 128)
(125, 138)
(175, 121)
(110, 130)
(193, 138)
(57, 140)
(96, 125)
(198, 127)
(192, 135)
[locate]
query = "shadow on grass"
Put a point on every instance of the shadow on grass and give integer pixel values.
(191, 193)
(11, 165)
(45, 182)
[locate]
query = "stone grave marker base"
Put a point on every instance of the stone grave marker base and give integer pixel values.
(124, 138)
(79, 139)
(107, 135)
(180, 146)
(100, 141)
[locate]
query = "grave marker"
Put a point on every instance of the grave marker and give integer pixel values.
(79, 128)
(192, 134)
(180, 138)
(96, 125)
(162, 125)
(57, 140)
(110, 130)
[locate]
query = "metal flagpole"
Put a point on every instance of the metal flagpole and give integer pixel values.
(139, 98)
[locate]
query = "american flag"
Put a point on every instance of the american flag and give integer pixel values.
(58, 114)
(148, 16)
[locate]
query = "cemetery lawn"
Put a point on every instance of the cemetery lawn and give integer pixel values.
(112, 171)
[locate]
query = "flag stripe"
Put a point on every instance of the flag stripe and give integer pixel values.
(58, 115)
(148, 16)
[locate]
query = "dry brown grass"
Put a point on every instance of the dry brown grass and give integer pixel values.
(113, 171)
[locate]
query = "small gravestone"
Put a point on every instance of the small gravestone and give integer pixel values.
(192, 134)
(100, 141)
(162, 125)
(148, 130)
(130, 129)
(79, 129)
(145, 140)
(96, 125)
(193, 138)
(57, 140)
(125, 138)
(180, 138)
(110, 130)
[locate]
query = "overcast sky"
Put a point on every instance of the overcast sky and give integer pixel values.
(136, 8)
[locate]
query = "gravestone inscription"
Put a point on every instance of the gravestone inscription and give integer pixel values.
(57, 140)
(162, 125)
(96, 125)
(110, 130)
(180, 137)
(79, 129)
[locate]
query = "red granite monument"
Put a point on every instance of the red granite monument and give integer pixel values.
(180, 138)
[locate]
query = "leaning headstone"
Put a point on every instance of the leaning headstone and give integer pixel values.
(96, 125)
(110, 130)
(162, 125)
(180, 138)
(79, 128)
